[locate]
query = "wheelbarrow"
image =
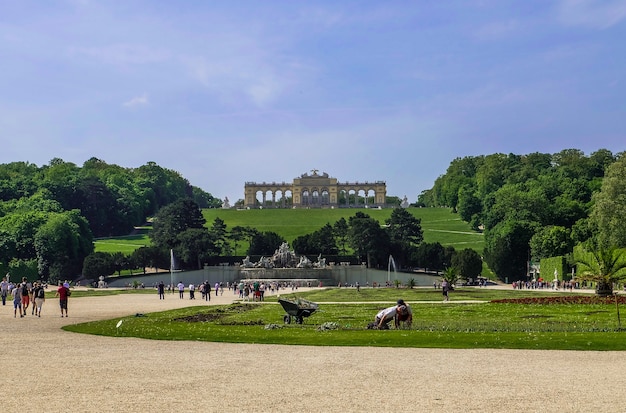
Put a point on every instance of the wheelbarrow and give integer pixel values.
(297, 309)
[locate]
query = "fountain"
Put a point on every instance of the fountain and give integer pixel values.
(285, 264)
(389, 264)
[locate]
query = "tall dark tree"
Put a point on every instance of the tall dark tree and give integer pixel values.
(507, 248)
(468, 262)
(370, 242)
(405, 233)
(195, 246)
(321, 241)
(237, 234)
(302, 244)
(151, 257)
(433, 256)
(340, 230)
(218, 233)
(265, 243)
(98, 264)
(404, 228)
(174, 219)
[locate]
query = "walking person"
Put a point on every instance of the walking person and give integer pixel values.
(25, 287)
(16, 293)
(39, 292)
(63, 293)
(181, 290)
(445, 287)
(31, 297)
(4, 289)
(192, 291)
(207, 290)
(161, 288)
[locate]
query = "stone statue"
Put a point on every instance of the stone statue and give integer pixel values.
(405, 202)
(321, 262)
(226, 204)
(264, 263)
(304, 262)
(246, 262)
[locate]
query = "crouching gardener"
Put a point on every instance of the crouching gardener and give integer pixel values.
(400, 313)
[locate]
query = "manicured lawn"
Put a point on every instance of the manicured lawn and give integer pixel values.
(126, 244)
(340, 321)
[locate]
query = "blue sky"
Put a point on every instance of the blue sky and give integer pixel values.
(226, 92)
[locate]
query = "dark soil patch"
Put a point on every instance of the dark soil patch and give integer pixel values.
(218, 314)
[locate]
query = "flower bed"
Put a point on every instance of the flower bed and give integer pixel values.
(566, 299)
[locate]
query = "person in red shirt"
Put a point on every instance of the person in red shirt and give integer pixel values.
(63, 293)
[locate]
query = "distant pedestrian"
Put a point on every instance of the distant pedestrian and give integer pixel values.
(39, 294)
(201, 288)
(207, 290)
(181, 290)
(4, 290)
(25, 287)
(16, 293)
(445, 287)
(192, 291)
(161, 288)
(63, 293)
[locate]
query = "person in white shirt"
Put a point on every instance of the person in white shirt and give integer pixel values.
(400, 312)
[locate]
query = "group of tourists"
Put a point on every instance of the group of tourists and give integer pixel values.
(25, 294)
(204, 288)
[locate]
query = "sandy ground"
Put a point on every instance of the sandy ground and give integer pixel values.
(46, 369)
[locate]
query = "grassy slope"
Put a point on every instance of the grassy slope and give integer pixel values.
(439, 225)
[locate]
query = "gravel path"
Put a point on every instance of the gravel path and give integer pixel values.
(46, 369)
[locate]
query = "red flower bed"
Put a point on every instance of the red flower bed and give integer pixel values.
(566, 299)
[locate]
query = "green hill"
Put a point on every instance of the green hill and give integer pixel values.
(439, 225)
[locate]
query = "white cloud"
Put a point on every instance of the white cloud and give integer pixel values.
(136, 101)
(597, 14)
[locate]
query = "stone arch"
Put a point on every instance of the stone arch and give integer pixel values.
(315, 190)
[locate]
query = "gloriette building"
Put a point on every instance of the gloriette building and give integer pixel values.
(315, 191)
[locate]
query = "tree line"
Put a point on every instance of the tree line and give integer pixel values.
(50, 214)
(537, 205)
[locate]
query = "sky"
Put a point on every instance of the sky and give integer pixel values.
(227, 92)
